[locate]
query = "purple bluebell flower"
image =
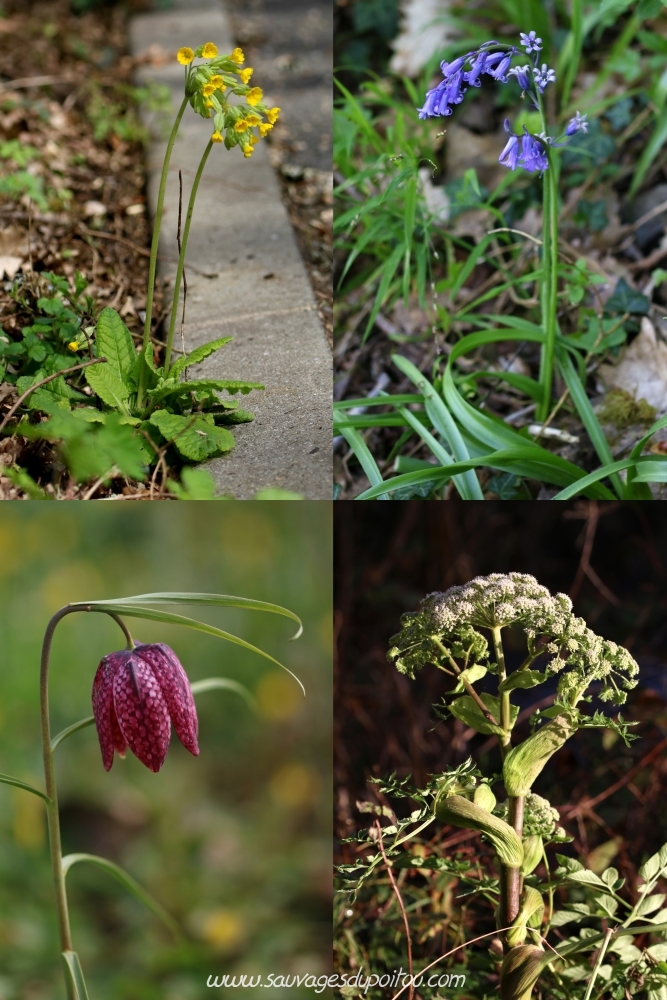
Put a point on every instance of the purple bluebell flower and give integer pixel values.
(577, 124)
(530, 42)
(436, 102)
(455, 93)
(543, 77)
(510, 153)
(499, 73)
(473, 75)
(533, 156)
(449, 69)
(522, 73)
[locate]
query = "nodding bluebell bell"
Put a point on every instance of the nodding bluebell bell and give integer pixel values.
(577, 124)
(533, 155)
(510, 153)
(522, 73)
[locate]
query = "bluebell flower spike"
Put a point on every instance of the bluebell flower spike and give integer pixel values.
(530, 41)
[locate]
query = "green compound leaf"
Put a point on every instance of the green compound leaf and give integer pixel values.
(7, 779)
(107, 384)
(199, 354)
(129, 883)
(467, 710)
(76, 985)
(521, 679)
(114, 342)
(196, 438)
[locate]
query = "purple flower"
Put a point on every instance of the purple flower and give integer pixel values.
(510, 153)
(522, 73)
(530, 42)
(137, 694)
(577, 124)
(500, 71)
(474, 73)
(455, 94)
(533, 156)
(543, 77)
(436, 102)
(449, 69)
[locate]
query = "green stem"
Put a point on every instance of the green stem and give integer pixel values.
(154, 248)
(181, 257)
(598, 962)
(50, 779)
(549, 285)
(505, 715)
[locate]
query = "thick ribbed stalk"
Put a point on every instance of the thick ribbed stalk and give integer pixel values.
(504, 697)
(154, 248)
(181, 257)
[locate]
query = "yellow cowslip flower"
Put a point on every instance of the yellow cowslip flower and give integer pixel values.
(73, 346)
(241, 125)
(264, 127)
(216, 137)
(237, 56)
(245, 74)
(253, 119)
(272, 114)
(208, 89)
(185, 55)
(247, 151)
(210, 51)
(209, 104)
(218, 82)
(254, 96)
(254, 139)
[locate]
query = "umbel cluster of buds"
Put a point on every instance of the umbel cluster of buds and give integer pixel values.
(209, 86)
(494, 59)
(137, 694)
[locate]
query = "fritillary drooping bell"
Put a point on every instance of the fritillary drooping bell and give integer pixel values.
(137, 694)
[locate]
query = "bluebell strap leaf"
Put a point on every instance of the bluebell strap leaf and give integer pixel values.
(76, 985)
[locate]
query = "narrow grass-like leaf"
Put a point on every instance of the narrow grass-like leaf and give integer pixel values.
(81, 724)
(594, 477)
(362, 452)
(167, 619)
(218, 600)
(6, 779)
(130, 883)
(469, 266)
(651, 150)
(389, 270)
(76, 984)
(223, 683)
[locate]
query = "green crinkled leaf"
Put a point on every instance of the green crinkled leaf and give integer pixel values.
(107, 384)
(170, 388)
(238, 416)
(521, 679)
(196, 438)
(197, 355)
(471, 674)
(196, 484)
(467, 710)
(114, 342)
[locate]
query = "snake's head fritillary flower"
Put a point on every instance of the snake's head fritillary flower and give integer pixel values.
(530, 41)
(577, 124)
(137, 695)
(185, 55)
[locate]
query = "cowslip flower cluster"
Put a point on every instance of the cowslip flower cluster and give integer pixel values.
(209, 86)
(495, 60)
(137, 694)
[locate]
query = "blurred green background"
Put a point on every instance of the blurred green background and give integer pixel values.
(235, 843)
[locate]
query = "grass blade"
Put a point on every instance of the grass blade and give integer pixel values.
(76, 985)
(130, 883)
(594, 477)
(362, 452)
(6, 779)
(224, 683)
(81, 724)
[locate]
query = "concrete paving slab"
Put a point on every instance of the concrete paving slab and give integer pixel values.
(260, 294)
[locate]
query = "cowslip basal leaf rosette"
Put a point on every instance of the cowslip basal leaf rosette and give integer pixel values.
(138, 694)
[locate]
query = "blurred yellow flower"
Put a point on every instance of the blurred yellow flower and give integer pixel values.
(237, 56)
(218, 82)
(73, 346)
(209, 104)
(245, 74)
(208, 89)
(254, 139)
(223, 929)
(216, 137)
(253, 119)
(241, 125)
(264, 128)
(255, 95)
(185, 55)
(210, 51)
(278, 697)
(294, 784)
(272, 114)
(247, 151)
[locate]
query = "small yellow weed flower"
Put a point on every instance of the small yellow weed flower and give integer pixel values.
(210, 51)
(216, 137)
(185, 55)
(218, 82)
(208, 89)
(73, 346)
(241, 125)
(237, 56)
(245, 74)
(272, 114)
(264, 127)
(247, 151)
(254, 96)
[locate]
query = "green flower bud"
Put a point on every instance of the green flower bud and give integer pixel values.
(458, 811)
(485, 798)
(520, 971)
(524, 763)
(532, 911)
(532, 854)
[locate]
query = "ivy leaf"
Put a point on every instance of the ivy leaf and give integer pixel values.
(196, 438)
(114, 342)
(521, 679)
(108, 385)
(197, 355)
(626, 299)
